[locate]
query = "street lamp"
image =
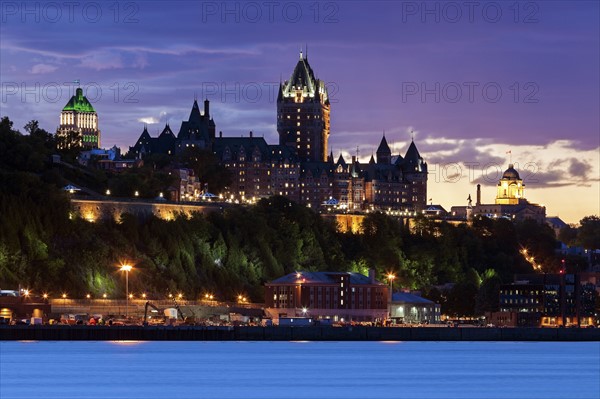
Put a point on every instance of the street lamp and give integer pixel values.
(391, 277)
(126, 269)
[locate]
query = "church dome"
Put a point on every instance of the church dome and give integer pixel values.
(511, 173)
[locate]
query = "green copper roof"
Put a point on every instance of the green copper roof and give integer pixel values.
(79, 103)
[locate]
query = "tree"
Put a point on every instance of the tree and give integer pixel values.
(207, 168)
(32, 126)
(588, 234)
(568, 235)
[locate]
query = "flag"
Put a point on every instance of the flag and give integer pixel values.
(509, 152)
(76, 81)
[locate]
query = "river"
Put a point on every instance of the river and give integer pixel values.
(299, 370)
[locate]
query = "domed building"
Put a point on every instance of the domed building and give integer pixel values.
(510, 202)
(510, 187)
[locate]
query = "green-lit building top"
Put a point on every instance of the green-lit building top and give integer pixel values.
(79, 103)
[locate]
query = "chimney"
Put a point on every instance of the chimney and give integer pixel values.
(478, 202)
(220, 134)
(251, 134)
(353, 159)
(206, 107)
(371, 275)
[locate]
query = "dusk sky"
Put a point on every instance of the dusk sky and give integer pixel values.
(473, 80)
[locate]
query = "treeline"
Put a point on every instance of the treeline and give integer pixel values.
(45, 248)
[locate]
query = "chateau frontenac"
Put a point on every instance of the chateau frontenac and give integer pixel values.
(299, 167)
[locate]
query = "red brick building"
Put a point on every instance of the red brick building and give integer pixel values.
(327, 295)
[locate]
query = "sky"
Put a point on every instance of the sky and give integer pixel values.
(477, 84)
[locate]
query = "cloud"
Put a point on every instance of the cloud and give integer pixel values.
(579, 168)
(39, 69)
(149, 120)
(101, 61)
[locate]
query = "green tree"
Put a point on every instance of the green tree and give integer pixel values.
(589, 232)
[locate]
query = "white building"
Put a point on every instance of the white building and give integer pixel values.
(411, 308)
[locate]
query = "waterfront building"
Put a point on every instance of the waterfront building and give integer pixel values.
(559, 299)
(15, 304)
(338, 296)
(414, 309)
(78, 124)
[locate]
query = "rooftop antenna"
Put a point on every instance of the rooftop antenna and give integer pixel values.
(357, 152)
(195, 96)
(306, 49)
(412, 134)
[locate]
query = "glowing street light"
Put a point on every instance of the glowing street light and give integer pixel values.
(391, 277)
(126, 269)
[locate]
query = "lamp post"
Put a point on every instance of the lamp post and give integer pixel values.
(126, 269)
(391, 277)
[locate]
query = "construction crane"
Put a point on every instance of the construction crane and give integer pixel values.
(151, 305)
(186, 320)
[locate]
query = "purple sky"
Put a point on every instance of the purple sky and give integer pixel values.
(377, 58)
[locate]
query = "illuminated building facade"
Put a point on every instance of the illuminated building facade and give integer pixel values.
(510, 187)
(298, 167)
(552, 299)
(78, 124)
(338, 296)
(510, 202)
(303, 113)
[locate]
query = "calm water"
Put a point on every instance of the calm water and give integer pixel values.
(299, 370)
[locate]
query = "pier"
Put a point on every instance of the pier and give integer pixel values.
(276, 333)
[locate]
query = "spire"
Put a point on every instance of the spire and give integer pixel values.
(413, 161)
(384, 154)
(412, 153)
(195, 113)
(280, 93)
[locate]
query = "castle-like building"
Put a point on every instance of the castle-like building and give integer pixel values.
(299, 167)
(303, 113)
(78, 124)
(510, 201)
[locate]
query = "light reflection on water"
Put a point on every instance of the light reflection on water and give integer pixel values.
(127, 342)
(303, 369)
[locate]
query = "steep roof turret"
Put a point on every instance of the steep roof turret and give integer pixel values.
(79, 103)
